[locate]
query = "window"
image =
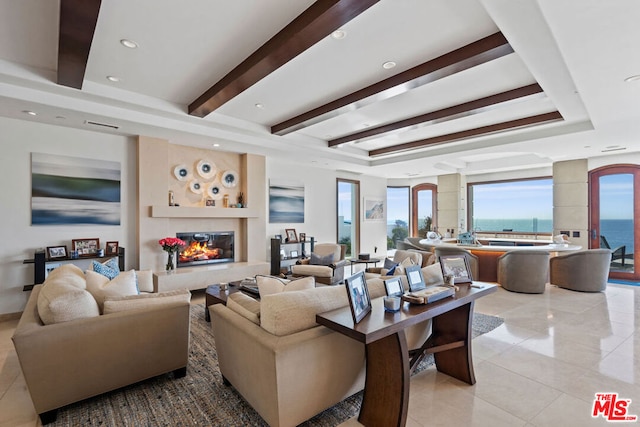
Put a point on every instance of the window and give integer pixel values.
(423, 216)
(348, 215)
(524, 206)
(397, 215)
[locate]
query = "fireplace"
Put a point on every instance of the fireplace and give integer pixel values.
(208, 247)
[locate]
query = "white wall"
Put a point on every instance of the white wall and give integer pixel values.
(19, 238)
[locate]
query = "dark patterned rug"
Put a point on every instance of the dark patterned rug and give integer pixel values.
(200, 398)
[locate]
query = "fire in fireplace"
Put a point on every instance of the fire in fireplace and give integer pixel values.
(206, 248)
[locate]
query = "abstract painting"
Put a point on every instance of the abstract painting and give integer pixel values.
(73, 190)
(286, 202)
(373, 209)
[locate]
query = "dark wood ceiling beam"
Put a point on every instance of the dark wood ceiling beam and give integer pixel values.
(469, 133)
(317, 22)
(78, 19)
(449, 113)
(473, 54)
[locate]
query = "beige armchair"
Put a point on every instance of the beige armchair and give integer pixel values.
(524, 271)
(329, 273)
(586, 271)
(399, 256)
(452, 250)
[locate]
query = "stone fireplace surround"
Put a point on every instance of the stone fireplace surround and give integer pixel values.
(156, 160)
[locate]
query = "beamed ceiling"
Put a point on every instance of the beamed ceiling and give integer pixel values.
(412, 88)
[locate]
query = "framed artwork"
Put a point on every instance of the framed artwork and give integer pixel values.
(86, 247)
(279, 237)
(286, 202)
(456, 266)
(303, 237)
(210, 202)
(415, 278)
(373, 209)
(112, 248)
(293, 254)
(393, 286)
(358, 293)
(292, 237)
(54, 252)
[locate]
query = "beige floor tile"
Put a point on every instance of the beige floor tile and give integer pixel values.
(564, 349)
(567, 411)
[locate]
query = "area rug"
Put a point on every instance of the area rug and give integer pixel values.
(200, 398)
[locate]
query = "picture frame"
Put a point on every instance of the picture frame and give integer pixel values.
(293, 254)
(48, 268)
(54, 252)
(279, 237)
(292, 237)
(302, 237)
(373, 209)
(457, 266)
(86, 247)
(415, 278)
(393, 286)
(111, 249)
(210, 202)
(358, 293)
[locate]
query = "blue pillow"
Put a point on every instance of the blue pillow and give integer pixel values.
(390, 266)
(321, 260)
(109, 269)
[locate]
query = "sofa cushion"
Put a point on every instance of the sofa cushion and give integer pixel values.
(101, 287)
(114, 304)
(268, 285)
(110, 268)
(321, 260)
(245, 306)
(63, 297)
(286, 313)
(145, 280)
(433, 274)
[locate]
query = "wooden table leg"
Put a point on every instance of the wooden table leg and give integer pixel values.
(449, 327)
(386, 392)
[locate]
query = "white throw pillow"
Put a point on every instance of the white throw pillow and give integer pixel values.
(145, 280)
(245, 306)
(114, 304)
(400, 268)
(268, 285)
(122, 285)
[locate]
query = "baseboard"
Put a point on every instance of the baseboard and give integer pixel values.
(10, 316)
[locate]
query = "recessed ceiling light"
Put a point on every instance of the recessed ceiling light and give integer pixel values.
(388, 65)
(113, 78)
(259, 105)
(632, 78)
(339, 34)
(129, 43)
(29, 112)
(216, 145)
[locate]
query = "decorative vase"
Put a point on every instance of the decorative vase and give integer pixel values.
(171, 266)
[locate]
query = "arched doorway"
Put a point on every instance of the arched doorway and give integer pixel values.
(614, 208)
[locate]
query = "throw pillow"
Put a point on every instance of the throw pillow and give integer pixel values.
(59, 301)
(268, 285)
(400, 268)
(245, 306)
(145, 280)
(114, 304)
(433, 274)
(321, 260)
(110, 268)
(101, 287)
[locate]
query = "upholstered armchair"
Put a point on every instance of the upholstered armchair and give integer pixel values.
(399, 256)
(586, 271)
(452, 250)
(326, 264)
(524, 271)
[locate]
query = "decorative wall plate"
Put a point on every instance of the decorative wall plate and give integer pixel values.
(181, 172)
(196, 186)
(206, 169)
(214, 191)
(230, 179)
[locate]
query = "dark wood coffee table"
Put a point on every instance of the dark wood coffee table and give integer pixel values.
(213, 295)
(386, 391)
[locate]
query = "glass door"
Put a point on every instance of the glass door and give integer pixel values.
(614, 207)
(348, 215)
(423, 214)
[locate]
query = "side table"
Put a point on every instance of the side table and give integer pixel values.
(366, 262)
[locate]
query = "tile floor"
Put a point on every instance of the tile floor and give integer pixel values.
(542, 367)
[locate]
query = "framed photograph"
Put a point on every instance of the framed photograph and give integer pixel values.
(373, 209)
(86, 247)
(112, 249)
(54, 252)
(393, 286)
(210, 202)
(415, 278)
(292, 237)
(303, 237)
(49, 267)
(358, 293)
(293, 254)
(279, 237)
(457, 266)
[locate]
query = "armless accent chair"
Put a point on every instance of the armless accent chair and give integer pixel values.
(524, 271)
(586, 271)
(452, 250)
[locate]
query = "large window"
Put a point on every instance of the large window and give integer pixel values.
(348, 215)
(512, 206)
(423, 217)
(397, 215)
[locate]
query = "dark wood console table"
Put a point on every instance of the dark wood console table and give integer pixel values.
(386, 392)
